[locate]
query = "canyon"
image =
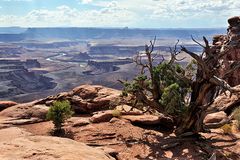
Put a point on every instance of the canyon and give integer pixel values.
(69, 57)
(105, 125)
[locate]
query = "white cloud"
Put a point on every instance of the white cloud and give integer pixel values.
(17, 0)
(86, 1)
(148, 13)
(111, 15)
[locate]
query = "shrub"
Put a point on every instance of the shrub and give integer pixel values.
(227, 129)
(116, 113)
(58, 113)
(236, 114)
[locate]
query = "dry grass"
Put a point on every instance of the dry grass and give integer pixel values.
(236, 114)
(227, 129)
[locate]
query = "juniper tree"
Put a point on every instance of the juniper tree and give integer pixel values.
(183, 93)
(58, 113)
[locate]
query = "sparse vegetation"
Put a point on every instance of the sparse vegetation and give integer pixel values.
(116, 113)
(236, 114)
(59, 112)
(227, 129)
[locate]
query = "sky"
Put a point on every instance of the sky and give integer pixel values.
(118, 13)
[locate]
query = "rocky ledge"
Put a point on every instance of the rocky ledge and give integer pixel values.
(123, 133)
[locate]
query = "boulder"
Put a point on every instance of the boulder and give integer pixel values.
(128, 110)
(25, 113)
(96, 98)
(149, 120)
(215, 117)
(87, 98)
(78, 121)
(6, 104)
(45, 147)
(105, 116)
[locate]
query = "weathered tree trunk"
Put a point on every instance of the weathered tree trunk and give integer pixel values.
(203, 90)
(193, 122)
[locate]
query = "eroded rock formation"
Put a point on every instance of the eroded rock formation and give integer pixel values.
(229, 46)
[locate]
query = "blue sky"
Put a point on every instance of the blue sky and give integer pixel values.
(118, 13)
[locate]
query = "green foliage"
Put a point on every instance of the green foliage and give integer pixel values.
(172, 89)
(139, 83)
(172, 99)
(236, 114)
(59, 112)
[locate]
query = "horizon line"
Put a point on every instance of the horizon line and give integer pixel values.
(154, 28)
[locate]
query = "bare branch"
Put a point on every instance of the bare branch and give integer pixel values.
(152, 44)
(197, 42)
(207, 47)
(174, 53)
(222, 83)
(198, 59)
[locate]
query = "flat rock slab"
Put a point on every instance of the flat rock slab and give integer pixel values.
(149, 120)
(21, 121)
(78, 121)
(215, 117)
(10, 133)
(48, 148)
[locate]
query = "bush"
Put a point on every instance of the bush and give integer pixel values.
(116, 113)
(58, 113)
(227, 129)
(236, 114)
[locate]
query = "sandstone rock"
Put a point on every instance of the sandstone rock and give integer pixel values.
(114, 119)
(149, 120)
(105, 116)
(8, 134)
(226, 102)
(110, 151)
(128, 110)
(30, 111)
(81, 122)
(215, 117)
(6, 104)
(87, 98)
(21, 121)
(234, 21)
(229, 43)
(87, 91)
(43, 147)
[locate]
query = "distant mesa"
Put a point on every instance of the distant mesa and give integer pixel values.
(75, 33)
(15, 78)
(99, 67)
